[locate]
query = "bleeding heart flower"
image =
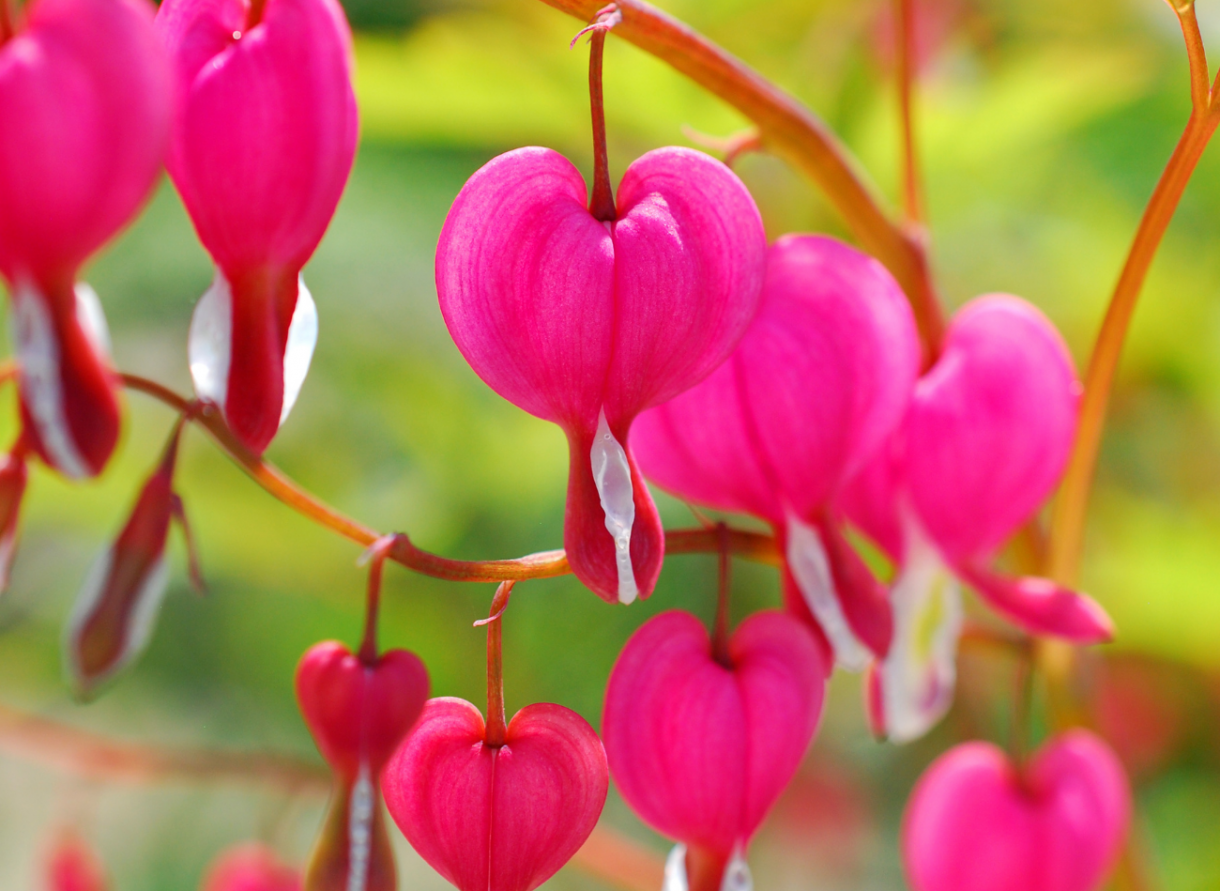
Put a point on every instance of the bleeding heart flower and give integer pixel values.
(263, 141)
(116, 609)
(250, 867)
(84, 118)
(72, 865)
(497, 818)
(819, 381)
(977, 822)
(985, 441)
(587, 323)
(358, 713)
(701, 747)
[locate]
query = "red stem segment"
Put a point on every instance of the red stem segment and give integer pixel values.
(376, 555)
(497, 727)
(720, 632)
(601, 202)
(912, 191)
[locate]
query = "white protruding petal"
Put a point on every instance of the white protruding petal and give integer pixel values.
(920, 671)
(736, 873)
(143, 614)
(675, 870)
(209, 344)
(811, 568)
(302, 338)
(92, 318)
(360, 830)
(37, 352)
(612, 474)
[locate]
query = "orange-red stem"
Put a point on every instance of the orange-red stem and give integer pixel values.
(497, 726)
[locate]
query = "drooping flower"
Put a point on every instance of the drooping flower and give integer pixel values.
(702, 746)
(358, 713)
(263, 141)
(819, 381)
(84, 119)
(72, 865)
(587, 323)
(977, 822)
(116, 609)
(251, 866)
(985, 441)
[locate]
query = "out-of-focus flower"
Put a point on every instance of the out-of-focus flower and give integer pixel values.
(250, 866)
(263, 142)
(72, 865)
(587, 323)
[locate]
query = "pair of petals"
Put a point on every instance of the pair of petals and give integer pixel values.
(586, 323)
(497, 818)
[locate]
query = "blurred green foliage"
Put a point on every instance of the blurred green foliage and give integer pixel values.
(1044, 126)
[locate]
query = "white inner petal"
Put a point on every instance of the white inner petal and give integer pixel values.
(736, 873)
(141, 620)
(612, 474)
(302, 338)
(811, 568)
(675, 870)
(92, 319)
(37, 351)
(360, 830)
(209, 343)
(919, 674)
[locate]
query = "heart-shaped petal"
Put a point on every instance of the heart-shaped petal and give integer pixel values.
(497, 819)
(358, 713)
(990, 426)
(975, 822)
(701, 750)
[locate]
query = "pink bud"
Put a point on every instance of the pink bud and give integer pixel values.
(73, 866)
(114, 613)
(701, 749)
(976, 822)
(250, 867)
(587, 324)
(821, 378)
(492, 818)
(84, 117)
(263, 141)
(13, 475)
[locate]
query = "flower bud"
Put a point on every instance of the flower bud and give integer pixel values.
(72, 865)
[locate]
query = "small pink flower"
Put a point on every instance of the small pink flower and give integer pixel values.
(497, 818)
(819, 381)
(84, 118)
(72, 865)
(701, 747)
(587, 323)
(263, 141)
(358, 714)
(977, 822)
(984, 443)
(116, 609)
(250, 867)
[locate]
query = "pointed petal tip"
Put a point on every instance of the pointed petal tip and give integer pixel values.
(1041, 606)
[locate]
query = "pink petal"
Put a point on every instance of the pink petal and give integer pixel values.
(73, 866)
(871, 499)
(518, 812)
(699, 750)
(973, 824)
(990, 426)
(1040, 606)
(265, 129)
(353, 850)
(251, 866)
(359, 714)
(84, 119)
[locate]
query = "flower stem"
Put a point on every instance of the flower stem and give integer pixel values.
(720, 631)
(601, 202)
(912, 183)
(376, 555)
(1022, 705)
(497, 727)
(791, 130)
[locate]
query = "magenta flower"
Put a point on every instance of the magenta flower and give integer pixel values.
(700, 745)
(497, 817)
(72, 865)
(587, 323)
(358, 713)
(263, 141)
(84, 118)
(977, 822)
(819, 381)
(251, 866)
(985, 441)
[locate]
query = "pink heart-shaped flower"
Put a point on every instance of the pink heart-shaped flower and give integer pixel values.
(358, 713)
(700, 749)
(497, 818)
(976, 822)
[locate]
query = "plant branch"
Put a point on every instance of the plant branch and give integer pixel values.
(548, 564)
(791, 130)
(912, 182)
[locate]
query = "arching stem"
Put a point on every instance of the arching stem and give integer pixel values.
(720, 631)
(376, 556)
(601, 203)
(912, 182)
(497, 726)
